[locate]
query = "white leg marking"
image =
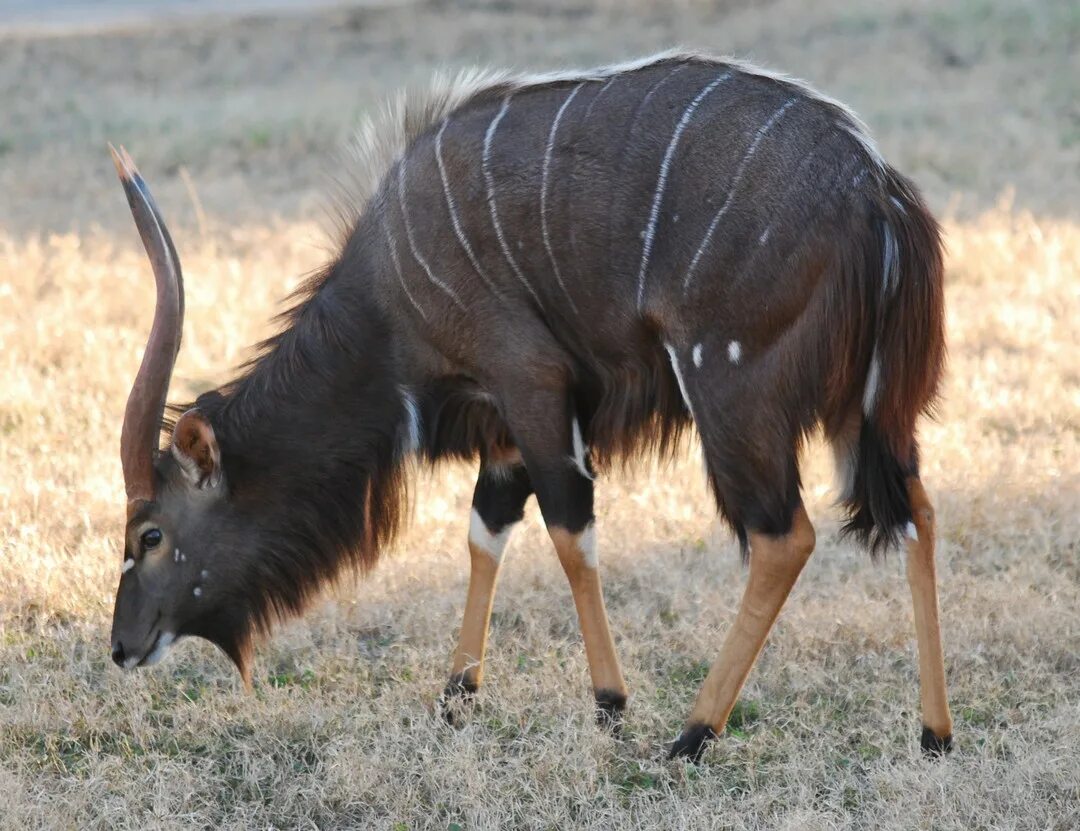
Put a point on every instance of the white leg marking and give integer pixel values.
(451, 205)
(543, 192)
(678, 377)
(128, 565)
(587, 545)
(411, 440)
(661, 183)
(491, 544)
(412, 241)
(161, 649)
(397, 268)
(873, 381)
(579, 449)
(912, 532)
(696, 354)
(734, 351)
(740, 171)
(489, 179)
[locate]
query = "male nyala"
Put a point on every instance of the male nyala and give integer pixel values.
(551, 274)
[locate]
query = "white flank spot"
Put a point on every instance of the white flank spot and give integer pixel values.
(912, 532)
(734, 351)
(543, 192)
(587, 545)
(764, 236)
(164, 642)
(696, 354)
(678, 377)
(412, 241)
(579, 449)
(204, 573)
(489, 179)
(491, 544)
(661, 183)
(451, 205)
(740, 171)
(197, 591)
(129, 564)
(397, 267)
(411, 440)
(873, 381)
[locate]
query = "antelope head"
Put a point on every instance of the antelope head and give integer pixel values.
(177, 577)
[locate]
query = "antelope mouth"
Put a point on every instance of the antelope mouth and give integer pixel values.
(159, 648)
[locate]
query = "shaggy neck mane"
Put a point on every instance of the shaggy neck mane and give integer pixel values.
(310, 436)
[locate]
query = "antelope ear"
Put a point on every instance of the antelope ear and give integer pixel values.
(195, 447)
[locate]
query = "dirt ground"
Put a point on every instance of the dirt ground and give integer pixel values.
(238, 124)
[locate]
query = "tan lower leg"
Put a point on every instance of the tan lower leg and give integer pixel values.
(577, 554)
(922, 576)
(468, 668)
(775, 564)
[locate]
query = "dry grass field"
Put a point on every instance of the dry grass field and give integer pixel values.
(235, 123)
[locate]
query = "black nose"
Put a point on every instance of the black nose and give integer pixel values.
(118, 654)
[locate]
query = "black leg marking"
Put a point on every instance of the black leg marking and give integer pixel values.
(610, 706)
(458, 693)
(934, 746)
(691, 744)
(501, 494)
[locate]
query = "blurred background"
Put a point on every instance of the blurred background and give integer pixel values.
(237, 113)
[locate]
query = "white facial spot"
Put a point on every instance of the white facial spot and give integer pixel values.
(176, 555)
(734, 351)
(579, 449)
(183, 557)
(912, 532)
(491, 544)
(164, 642)
(696, 354)
(197, 591)
(587, 544)
(129, 564)
(204, 573)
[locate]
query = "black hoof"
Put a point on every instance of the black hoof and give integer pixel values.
(609, 710)
(691, 744)
(459, 692)
(933, 745)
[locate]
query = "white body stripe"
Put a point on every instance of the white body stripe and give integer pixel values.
(891, 258)
(491, 544)
(696, 354)
(740, 171)
(679, 377)
(579, 449)
(411, 442)
(873, 381)
(734, 351)
(661, 182)
(397, 268)
(543, 193)
(451, 205)
(489, 179)
(412, 241)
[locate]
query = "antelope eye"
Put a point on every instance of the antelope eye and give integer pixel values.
(150, 539)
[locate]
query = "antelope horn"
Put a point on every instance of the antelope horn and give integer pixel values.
(146, 401)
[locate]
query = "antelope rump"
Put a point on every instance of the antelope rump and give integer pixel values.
(552, 274)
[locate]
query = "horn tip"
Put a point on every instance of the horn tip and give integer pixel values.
(118, 161)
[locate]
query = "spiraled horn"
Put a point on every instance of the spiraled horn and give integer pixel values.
(146, 401)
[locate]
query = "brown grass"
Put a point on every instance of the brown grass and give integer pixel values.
(340, 730)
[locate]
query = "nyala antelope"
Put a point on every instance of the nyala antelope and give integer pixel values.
(552, 274)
